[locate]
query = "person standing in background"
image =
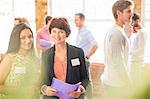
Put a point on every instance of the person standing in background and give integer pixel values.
(43, 37)
(137, 47)
(115, 78)
(21, 20)
(86, 41)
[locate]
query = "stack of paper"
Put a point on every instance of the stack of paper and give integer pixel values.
(64, 88)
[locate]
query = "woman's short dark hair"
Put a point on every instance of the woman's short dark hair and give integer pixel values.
(60, 23)
(14, 41)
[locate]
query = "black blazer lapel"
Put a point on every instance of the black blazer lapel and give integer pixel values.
(51, 63)
(48, 65)
(69, 68)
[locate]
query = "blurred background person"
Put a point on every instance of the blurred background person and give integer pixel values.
(87, 42)
(16, 21)
(19, 20)
(137, 49)
(43, 37)
(115, 78)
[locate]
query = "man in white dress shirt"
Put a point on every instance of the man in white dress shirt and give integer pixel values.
(115, 78)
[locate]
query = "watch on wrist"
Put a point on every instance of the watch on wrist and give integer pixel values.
(87, 57)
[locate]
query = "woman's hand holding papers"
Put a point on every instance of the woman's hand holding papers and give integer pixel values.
(76, 94)
(49, 91)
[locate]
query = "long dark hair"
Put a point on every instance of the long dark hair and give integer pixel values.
(14, 41)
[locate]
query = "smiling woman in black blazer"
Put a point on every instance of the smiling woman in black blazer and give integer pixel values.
(63, 61)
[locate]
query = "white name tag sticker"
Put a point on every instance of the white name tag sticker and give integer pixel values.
(20, 70)
(75, 62)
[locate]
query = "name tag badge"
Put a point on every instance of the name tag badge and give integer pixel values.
(75, 62)
(20, 70)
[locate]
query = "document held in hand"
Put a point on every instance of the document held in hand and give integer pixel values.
(45, 43)
(64, 88)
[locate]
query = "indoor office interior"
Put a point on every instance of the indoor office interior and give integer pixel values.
(99, 19)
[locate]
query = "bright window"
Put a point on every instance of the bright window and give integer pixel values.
(99, 18)
(6, 20)
(9, 9)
